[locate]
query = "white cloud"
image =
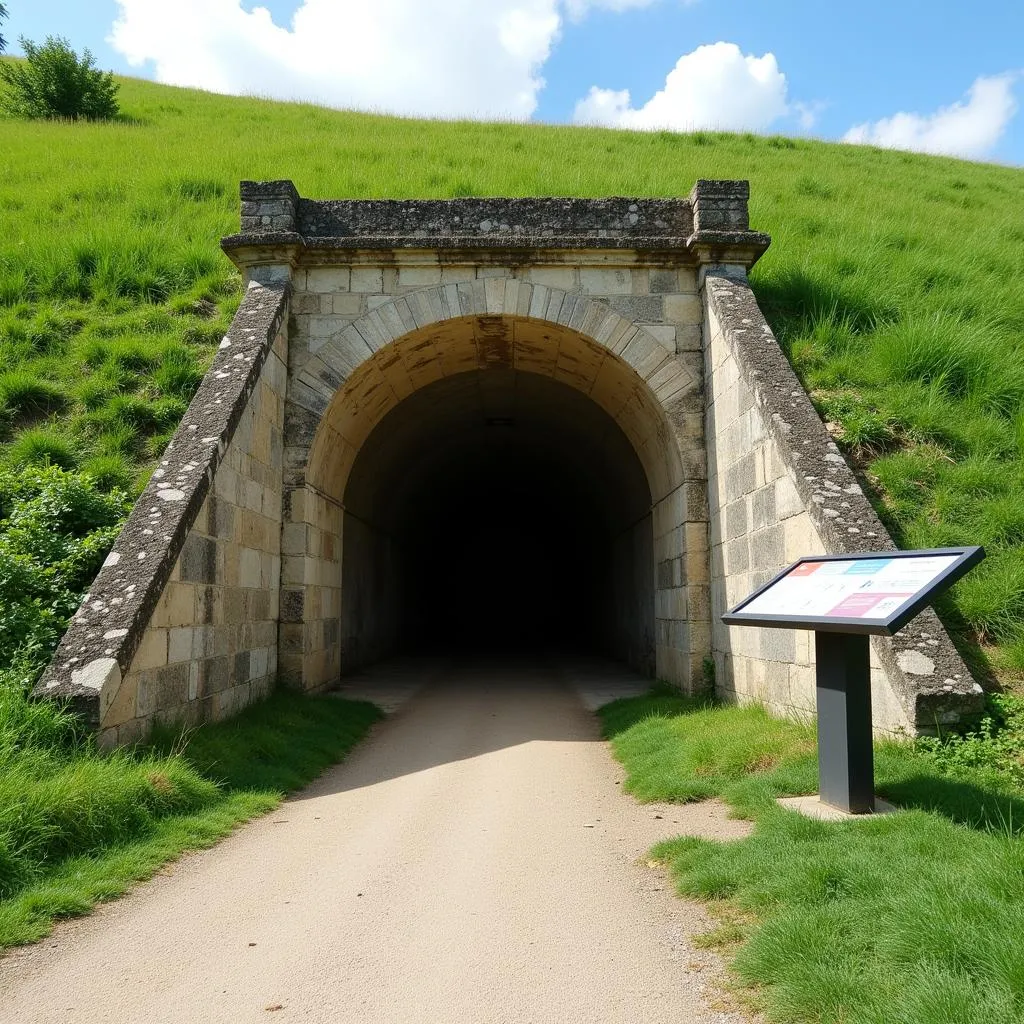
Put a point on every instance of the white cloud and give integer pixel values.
(715, 86)
(448, 58)
(970, 128)
(576, 9)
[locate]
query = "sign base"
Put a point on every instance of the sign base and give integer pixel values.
(812, 807)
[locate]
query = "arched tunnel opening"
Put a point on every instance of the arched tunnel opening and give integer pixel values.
(497, 511)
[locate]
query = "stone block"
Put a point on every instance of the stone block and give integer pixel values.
(689, 338)
(418, 277)
(762, 508)
(768, 547)
(152, 652)
(646, 308)
(736, 520)
(664, 575)
(241, 669)
(453, 275)
(563, 278)
(606, 281)
(249, 568)
(209, 605)
(787, 499)
(176, 606)
(327, 279)
(741, 477)
(664, 334)
(179, 646)
(778, 645)
(684, 309)
(346, 304)
(737, 556)
(663, 281)
(366, 280)
(699, 601)
(799, 538)
(199, 559)
(644, 354)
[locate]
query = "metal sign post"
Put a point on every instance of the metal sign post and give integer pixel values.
(845, 599)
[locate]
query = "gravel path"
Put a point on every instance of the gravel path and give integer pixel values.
(475, 860)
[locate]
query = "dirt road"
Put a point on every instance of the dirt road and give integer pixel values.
(474, 861)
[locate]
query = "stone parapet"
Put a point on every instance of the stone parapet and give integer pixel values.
(779, 489)
(279, 226)
(167, 563)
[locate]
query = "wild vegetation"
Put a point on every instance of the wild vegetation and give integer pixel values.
(53, 81)
(890, 283)
(911, 918)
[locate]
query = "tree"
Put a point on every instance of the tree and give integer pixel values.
(53, 81)
(3, 15)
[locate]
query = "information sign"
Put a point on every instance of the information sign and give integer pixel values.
(843, 598)
(876, 592)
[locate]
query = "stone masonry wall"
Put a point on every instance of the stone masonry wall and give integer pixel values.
(181, 623)
(778, 489)
(330, 300)
(211, 644)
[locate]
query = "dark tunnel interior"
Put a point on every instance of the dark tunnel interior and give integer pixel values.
(497, 511)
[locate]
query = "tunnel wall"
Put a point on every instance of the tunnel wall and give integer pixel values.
(181, 624)
(780, 489)
(371, 626)
(631, 603)
(311, 574)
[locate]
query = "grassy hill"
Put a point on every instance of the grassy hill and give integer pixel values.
(893, 282)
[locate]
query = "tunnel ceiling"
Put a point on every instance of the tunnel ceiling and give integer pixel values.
(503, 349)
(475, 429)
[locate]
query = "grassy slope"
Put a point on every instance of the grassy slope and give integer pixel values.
(910, 919)
(78, 826)
(891, 281)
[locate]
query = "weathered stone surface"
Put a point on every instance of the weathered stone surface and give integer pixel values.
(803, 498)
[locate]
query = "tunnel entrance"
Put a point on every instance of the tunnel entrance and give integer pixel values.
(494, 482)
(497, 511)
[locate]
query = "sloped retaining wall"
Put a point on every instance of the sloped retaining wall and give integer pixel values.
(181, 622)
(778, 489)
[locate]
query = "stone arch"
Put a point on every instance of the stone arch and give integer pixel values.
(358, 372)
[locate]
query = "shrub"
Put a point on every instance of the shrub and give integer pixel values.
(54, 82)
(55, 530)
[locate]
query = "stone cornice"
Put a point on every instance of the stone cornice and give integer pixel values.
(711, 225)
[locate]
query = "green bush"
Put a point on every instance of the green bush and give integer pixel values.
(55, 530)
(54, 82)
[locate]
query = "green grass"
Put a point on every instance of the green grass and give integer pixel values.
(891, 283)
(914, 918)
(78, 826)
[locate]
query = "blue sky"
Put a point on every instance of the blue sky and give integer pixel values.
(928, 76)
